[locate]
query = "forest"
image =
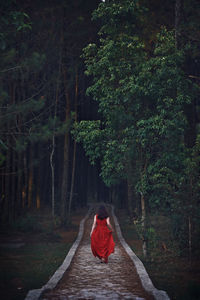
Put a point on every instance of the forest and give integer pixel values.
(99, 101)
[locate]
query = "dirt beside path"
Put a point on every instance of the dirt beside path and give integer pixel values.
(88, 279)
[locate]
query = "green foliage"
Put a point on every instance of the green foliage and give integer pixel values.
(142, 106)
(143, 98)
(52, 126)
(91, 134)
(117, 16)
(35, 129)
(152, 238)
(35, 62)
(179, 227)
(18, 115)
(11, 22)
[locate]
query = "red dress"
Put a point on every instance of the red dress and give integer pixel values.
(102, 243)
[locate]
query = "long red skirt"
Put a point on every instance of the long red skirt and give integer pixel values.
(102, 243)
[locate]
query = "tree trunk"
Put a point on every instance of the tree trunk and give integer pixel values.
(7, 184)
(143, 208)
(190, 239)
(19, 183)
(83, 180)
(45, 179)
(74, 150)
(66, 155)
(65, 178)
(38, 200)
(13, 187)
(52, 178)
(13, 165)
(143, 223)
(2, 194)
(25, 187)
(178, 19)
(30, 177)
(72, 179)
(53, 138)
(130, 197)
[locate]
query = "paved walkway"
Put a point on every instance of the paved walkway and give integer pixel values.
(88, 279)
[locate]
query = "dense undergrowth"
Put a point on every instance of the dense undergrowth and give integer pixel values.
(169, 267)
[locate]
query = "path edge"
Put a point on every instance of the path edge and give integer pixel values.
(142, 273)
(53, 281)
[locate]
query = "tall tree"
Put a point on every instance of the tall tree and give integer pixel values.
(142, 107)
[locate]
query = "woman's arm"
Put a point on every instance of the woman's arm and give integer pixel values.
(109, 225)
(93, 225)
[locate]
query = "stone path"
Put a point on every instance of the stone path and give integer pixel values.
(88, 279)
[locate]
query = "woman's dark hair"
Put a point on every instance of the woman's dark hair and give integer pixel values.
(102, 213)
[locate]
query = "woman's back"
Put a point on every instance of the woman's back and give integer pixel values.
(102, 243)
(101, 222)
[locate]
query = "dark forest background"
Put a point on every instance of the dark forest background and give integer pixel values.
(99, 101)
(42, 94)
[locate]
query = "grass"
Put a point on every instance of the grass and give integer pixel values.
(31, 266)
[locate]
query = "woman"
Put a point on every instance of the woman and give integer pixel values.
(102, 243)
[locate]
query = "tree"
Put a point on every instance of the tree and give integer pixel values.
(142, 99)
(41, 74)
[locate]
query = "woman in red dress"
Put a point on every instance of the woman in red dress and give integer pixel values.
(102, 243)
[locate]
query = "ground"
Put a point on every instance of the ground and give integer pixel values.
(29, 258)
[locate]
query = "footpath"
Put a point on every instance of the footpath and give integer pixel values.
(86, 278)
